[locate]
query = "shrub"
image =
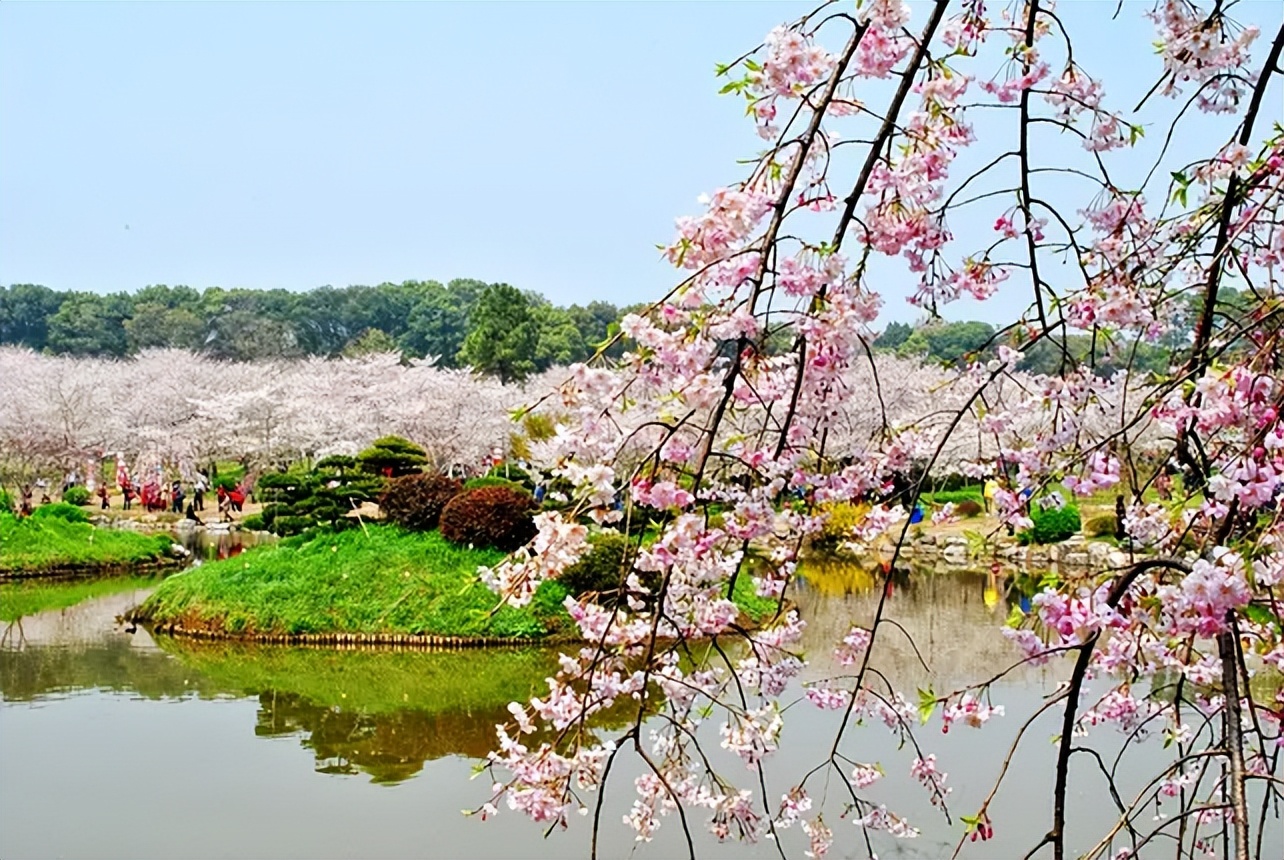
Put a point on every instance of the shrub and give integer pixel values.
(6, 501)
(509, 472)
(63, 511)
(598, 570)
(492, 481)
(1102, 525)
(392, 456)
(1052, 525)
(415, 502)
(842, 518)
(489, 516)
(254, 523)
(297, 500)
(76, 495)
(968, 509)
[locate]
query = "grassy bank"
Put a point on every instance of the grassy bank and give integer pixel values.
(379, 580)
(52, 544)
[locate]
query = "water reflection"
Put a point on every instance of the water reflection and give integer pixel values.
(210, 545)
(81, 693)
(377, 712)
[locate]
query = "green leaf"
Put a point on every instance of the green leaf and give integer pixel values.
(720, 69)
(752, 66)
(926, 704)
(1259, 614)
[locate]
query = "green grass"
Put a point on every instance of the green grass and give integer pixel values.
(35, 544)
(945, 497)
(31, 596)
(380, 580)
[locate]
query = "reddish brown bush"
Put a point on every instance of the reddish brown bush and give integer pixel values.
(416, 501)
(489, 516)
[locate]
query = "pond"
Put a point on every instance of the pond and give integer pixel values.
(115, 745)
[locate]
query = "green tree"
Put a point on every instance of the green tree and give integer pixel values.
(949, 342)
(560, 339)
(90, 324)
(369, 342)
(154, 325)
(894, 335)
(25, 310)
(438, 324)
(504, 335)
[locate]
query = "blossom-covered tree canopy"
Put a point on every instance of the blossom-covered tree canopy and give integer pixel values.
(889, 134)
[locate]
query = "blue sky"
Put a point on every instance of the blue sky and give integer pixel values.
(299, 144)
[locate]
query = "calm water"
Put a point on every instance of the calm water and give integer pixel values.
(114, 745)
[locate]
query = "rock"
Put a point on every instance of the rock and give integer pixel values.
(1098, 554)
(1116, 558)
(1075, 559)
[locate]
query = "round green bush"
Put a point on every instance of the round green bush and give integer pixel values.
(415, 502)
(968, 509)
(489, 516)
(1052, 525)
(599, 571)
(76, 495)
(62, 511)
(6, 501)
(515, 474)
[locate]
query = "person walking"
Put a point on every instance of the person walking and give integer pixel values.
(102, 494)
(198, 492)
(176, 498)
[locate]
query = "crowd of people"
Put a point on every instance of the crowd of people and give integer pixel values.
(154, 494)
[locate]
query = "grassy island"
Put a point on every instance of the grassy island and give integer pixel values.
(54, 544)
(372, 583)
(376, 581)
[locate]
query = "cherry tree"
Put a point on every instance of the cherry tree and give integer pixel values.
(890, 136)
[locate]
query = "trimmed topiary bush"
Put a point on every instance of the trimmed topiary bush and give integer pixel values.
(489, 516)
(415, 502)
(62, 511)
(968, 509)
(1052, 525)
(297, 500)
(76, 495)
(392, 457)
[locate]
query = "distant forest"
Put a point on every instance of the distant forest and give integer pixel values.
(494, 328)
